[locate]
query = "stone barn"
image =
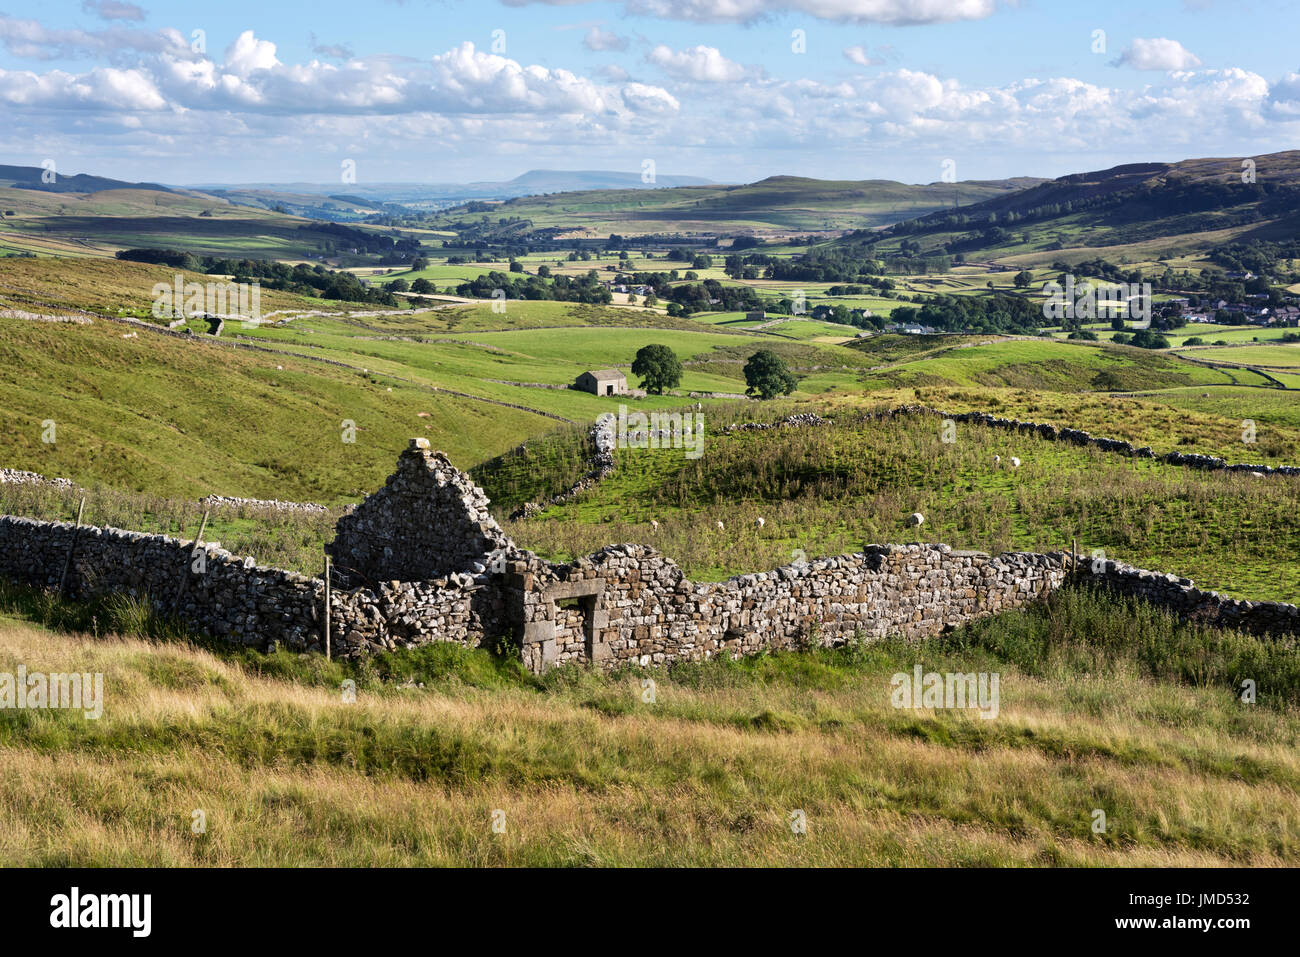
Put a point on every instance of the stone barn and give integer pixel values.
(602, 382)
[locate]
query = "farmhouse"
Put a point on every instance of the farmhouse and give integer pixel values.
(602, 382)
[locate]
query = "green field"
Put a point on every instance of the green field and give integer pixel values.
(832, 490)
(1280, 356)
(1055, 366)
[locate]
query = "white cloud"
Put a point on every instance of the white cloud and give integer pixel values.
(699, 64)
(112, 10)
(1160, 53)
(895, 12)
(650, 99)
(32, 40)
(337, 51)
(603, 40)
(104, 88)
(1284, 98)
(859, 55)
(249, 54)
(247, 102)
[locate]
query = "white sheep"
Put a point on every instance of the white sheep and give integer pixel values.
(916, 518)
(760, 521)
(1015, 462)
(654, 526)
(997, 460)
(721, 527)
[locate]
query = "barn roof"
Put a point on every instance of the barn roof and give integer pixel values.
(603, 374)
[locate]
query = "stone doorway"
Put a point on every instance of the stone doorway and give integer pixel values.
(573, 614)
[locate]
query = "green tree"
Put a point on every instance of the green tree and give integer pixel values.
(766, 375)
(423, 286)
(399, 285)
(658, 367)
(1023, 279)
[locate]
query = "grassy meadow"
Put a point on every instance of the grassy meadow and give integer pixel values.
(1102, 705)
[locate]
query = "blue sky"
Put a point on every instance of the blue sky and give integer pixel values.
(454, 90)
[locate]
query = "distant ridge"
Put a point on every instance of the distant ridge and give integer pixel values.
(532, 183)
(30, 177)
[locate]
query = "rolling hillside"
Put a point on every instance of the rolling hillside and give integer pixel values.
(1136, 211)
(99, 217)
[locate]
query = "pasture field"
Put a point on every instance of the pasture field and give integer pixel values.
(179, 417)
(832, 489)
(1101, 704)
(1211, 422)
(1054, 366)
(1281, 355)
(190, 417)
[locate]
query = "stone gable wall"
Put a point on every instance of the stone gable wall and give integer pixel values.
(428, 521)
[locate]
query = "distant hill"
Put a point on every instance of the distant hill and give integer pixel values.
(1152, 210)
(564, 181)
(438, 195)
(773, 205)
(30, 177)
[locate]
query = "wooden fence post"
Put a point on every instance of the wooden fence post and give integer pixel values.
(327, 608)
(185, 573)
(72, 545)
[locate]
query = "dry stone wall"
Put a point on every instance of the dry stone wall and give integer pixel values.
(1051, 433)
(229, 598)
(434, 567)
(628, 603)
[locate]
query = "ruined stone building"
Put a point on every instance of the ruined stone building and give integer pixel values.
(423, 560)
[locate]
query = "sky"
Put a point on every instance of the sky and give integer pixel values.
(731, 90)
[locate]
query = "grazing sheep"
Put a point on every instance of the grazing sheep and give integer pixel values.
(1015, 462)
(760, 522)
(997, 460)
(721, 527)
(654, 526)
(916, 518)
